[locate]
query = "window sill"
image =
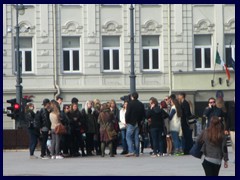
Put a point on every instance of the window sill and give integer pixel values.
(151, 72)
(112, 72)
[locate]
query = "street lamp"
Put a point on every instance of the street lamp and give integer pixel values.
(132, 73)
(20, 10)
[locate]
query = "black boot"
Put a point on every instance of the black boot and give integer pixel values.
(103, 149)
(111, 149)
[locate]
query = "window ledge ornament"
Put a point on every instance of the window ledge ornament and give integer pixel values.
(151, 26)
(230, 25)
(26, 28)
(204, 25)
(112, 26)
(72, 27)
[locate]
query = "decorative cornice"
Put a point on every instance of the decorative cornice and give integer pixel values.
(204, 25)
(72, 27)
(151, 26)
(230, 25)
(111, 26)
(26, 28)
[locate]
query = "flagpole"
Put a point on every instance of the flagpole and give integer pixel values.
(212, 82)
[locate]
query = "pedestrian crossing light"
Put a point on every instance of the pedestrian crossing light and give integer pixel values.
(14, 109)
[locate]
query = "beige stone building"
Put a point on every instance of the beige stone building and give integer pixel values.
(83, 51)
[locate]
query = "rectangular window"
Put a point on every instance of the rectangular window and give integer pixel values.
(25, 55)
(203, 51)
(111, 53)
(229, 48)
(71, 54)
(150, 53)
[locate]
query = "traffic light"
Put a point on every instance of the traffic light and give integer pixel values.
(14, 108)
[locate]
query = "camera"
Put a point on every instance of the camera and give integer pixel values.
(126, 98)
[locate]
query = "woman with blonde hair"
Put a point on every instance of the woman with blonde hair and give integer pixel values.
(54, 117)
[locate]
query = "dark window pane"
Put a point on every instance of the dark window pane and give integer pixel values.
(198, 58)
(116, 59)
(145, 59)
(207, 57)
(66, 61)
(228, 52)
(155, 58)
(28, 61)
(76, 60)
(106, 60)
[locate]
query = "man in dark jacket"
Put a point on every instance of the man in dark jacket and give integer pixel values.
(187, 132)
(212, 110)
(134, 115)
(45, 125)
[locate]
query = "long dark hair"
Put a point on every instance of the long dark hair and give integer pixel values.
(215, 132)
(178, 107)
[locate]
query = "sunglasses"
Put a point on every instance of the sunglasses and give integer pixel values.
(211, 102)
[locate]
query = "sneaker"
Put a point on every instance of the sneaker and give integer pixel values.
(129, 155)
(45, 157)
(53, 157)
(59, 157)
(165, 154)
(33, 157)
(154, 155)
(124, 152)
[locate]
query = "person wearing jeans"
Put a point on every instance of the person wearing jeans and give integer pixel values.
(122, 126)
(134, 115)
(132, 134)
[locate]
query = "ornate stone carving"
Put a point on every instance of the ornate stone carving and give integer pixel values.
(204, 25)
(151, 26)
(26, 28)
(230, 25)
(112, 26)
(72, 27)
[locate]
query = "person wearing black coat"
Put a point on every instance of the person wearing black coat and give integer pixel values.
(32, 131)
(78, 127)
(156, 118)
(187, 132)
(134, 115)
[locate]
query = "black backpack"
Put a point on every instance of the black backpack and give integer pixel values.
(38, 120)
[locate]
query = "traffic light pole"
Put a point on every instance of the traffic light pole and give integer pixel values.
(19, 71)
(19, 64)
(132, 73)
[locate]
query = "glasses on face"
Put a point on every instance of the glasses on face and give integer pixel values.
(211, 102)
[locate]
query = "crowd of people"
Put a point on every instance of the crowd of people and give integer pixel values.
(90, 130)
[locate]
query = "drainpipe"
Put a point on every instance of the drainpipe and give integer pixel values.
(169, 50)
(56, 86)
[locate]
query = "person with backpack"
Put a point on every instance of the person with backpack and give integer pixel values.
(32, 131)
(43, 121)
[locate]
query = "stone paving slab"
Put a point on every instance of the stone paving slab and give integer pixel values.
(17, 163)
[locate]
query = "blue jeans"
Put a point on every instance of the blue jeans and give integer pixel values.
(33, 140)
(176, 141)
(156, 138)
(132, 135)
(124, 141)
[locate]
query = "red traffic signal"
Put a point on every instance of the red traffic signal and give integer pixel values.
(14, 108)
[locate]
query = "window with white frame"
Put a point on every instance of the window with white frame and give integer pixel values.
(150, 53)
(71, 54)
(229, 48)
(111, 53)
(25, 54)
(203, 51)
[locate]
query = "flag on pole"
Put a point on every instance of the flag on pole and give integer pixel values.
(232, 63)
(220, 61)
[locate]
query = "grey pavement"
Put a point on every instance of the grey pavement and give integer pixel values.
(17, 163)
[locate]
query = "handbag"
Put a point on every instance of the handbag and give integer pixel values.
(192, 119)
(60, 129)
(196, 150)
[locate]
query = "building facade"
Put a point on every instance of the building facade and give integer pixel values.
(83, 51)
